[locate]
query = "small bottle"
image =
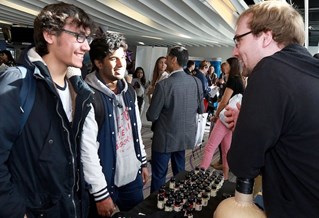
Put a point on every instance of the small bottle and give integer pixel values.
(205, 199)
(177, 186)
(196, 170)
(189, 213)
(168, 206)
(160, 202)
(185, 197)
(202, 169)
(186, 206)
(207, 191)
(208, 172)
(161, 192)
(213, 191)
(181, 183)
(178, 205)
(191, 201)
(198, 205)
(172, 183)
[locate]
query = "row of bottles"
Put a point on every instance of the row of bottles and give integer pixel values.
(190, 194)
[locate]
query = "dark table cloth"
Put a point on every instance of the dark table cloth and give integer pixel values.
(148, 208)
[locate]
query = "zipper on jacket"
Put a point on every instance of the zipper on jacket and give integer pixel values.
(73, 165)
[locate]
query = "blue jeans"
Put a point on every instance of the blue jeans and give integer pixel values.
(130, 195)
(160, 166)
(125, 197)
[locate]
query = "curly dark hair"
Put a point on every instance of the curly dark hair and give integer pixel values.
(105, 45)
(53, 18)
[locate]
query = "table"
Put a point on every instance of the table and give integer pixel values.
(148, 208)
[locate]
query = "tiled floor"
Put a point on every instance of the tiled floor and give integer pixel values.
(193, 158)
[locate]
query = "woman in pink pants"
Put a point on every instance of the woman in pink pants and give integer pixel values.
(220, 133)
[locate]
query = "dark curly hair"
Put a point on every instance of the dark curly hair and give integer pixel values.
(53, 18)
(105, 45)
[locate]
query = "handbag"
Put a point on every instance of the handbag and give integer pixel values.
(201, 119)
(201, 125)
(232, 104)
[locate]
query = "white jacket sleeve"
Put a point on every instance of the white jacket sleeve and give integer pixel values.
(139, 129)
(92, 168)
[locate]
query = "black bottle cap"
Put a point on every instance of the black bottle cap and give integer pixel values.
(244, 186)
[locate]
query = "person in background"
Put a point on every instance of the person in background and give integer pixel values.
(113, 157)
(277, 132)
(159, 73)
(40, 169)
(211, 79)
(201, 75)
(221, 83)
(173, 115)
(190, 66)
(139, 84)
(220, 133)
(7, 58)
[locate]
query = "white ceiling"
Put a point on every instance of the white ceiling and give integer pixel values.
(153, 22)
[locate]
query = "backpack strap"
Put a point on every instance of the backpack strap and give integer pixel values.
(131, 92)
(26, 95)
(98, 105)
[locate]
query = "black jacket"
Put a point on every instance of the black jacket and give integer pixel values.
(40, 169)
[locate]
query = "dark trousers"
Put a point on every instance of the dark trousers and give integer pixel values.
(160, 167)
(125, 197)
(140, 101)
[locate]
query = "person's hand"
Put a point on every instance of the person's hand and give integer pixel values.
(106, 207)
(145, 175)
(214, 118)
(231, 115)
(25, 216)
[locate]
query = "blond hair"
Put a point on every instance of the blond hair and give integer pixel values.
(282, 19)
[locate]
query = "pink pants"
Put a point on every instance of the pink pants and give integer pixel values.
(220, 134)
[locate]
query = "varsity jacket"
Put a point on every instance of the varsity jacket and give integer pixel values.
(99, 158)
(40, 170)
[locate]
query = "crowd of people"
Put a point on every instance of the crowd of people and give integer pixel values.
(80, 152)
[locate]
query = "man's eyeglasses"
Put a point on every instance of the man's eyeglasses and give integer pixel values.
(238, 37)
(80, 37)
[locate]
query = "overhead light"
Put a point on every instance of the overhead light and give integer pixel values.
(184, 36)
(153, 37)
(19, 7)
(5, 22)
(141, 43)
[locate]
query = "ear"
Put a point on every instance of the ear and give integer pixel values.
(48, 37)
(98, 64)
(174, 60)
(267, 38)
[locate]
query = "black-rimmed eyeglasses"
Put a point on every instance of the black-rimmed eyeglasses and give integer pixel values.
(238, 37)
(80, 37)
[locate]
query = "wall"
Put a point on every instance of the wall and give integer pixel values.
(313, 49)
(226, 52)
(195, 53)
(210, 52)
(146, 57)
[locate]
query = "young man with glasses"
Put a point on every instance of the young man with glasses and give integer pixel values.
(277, 132)
(40, 168)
